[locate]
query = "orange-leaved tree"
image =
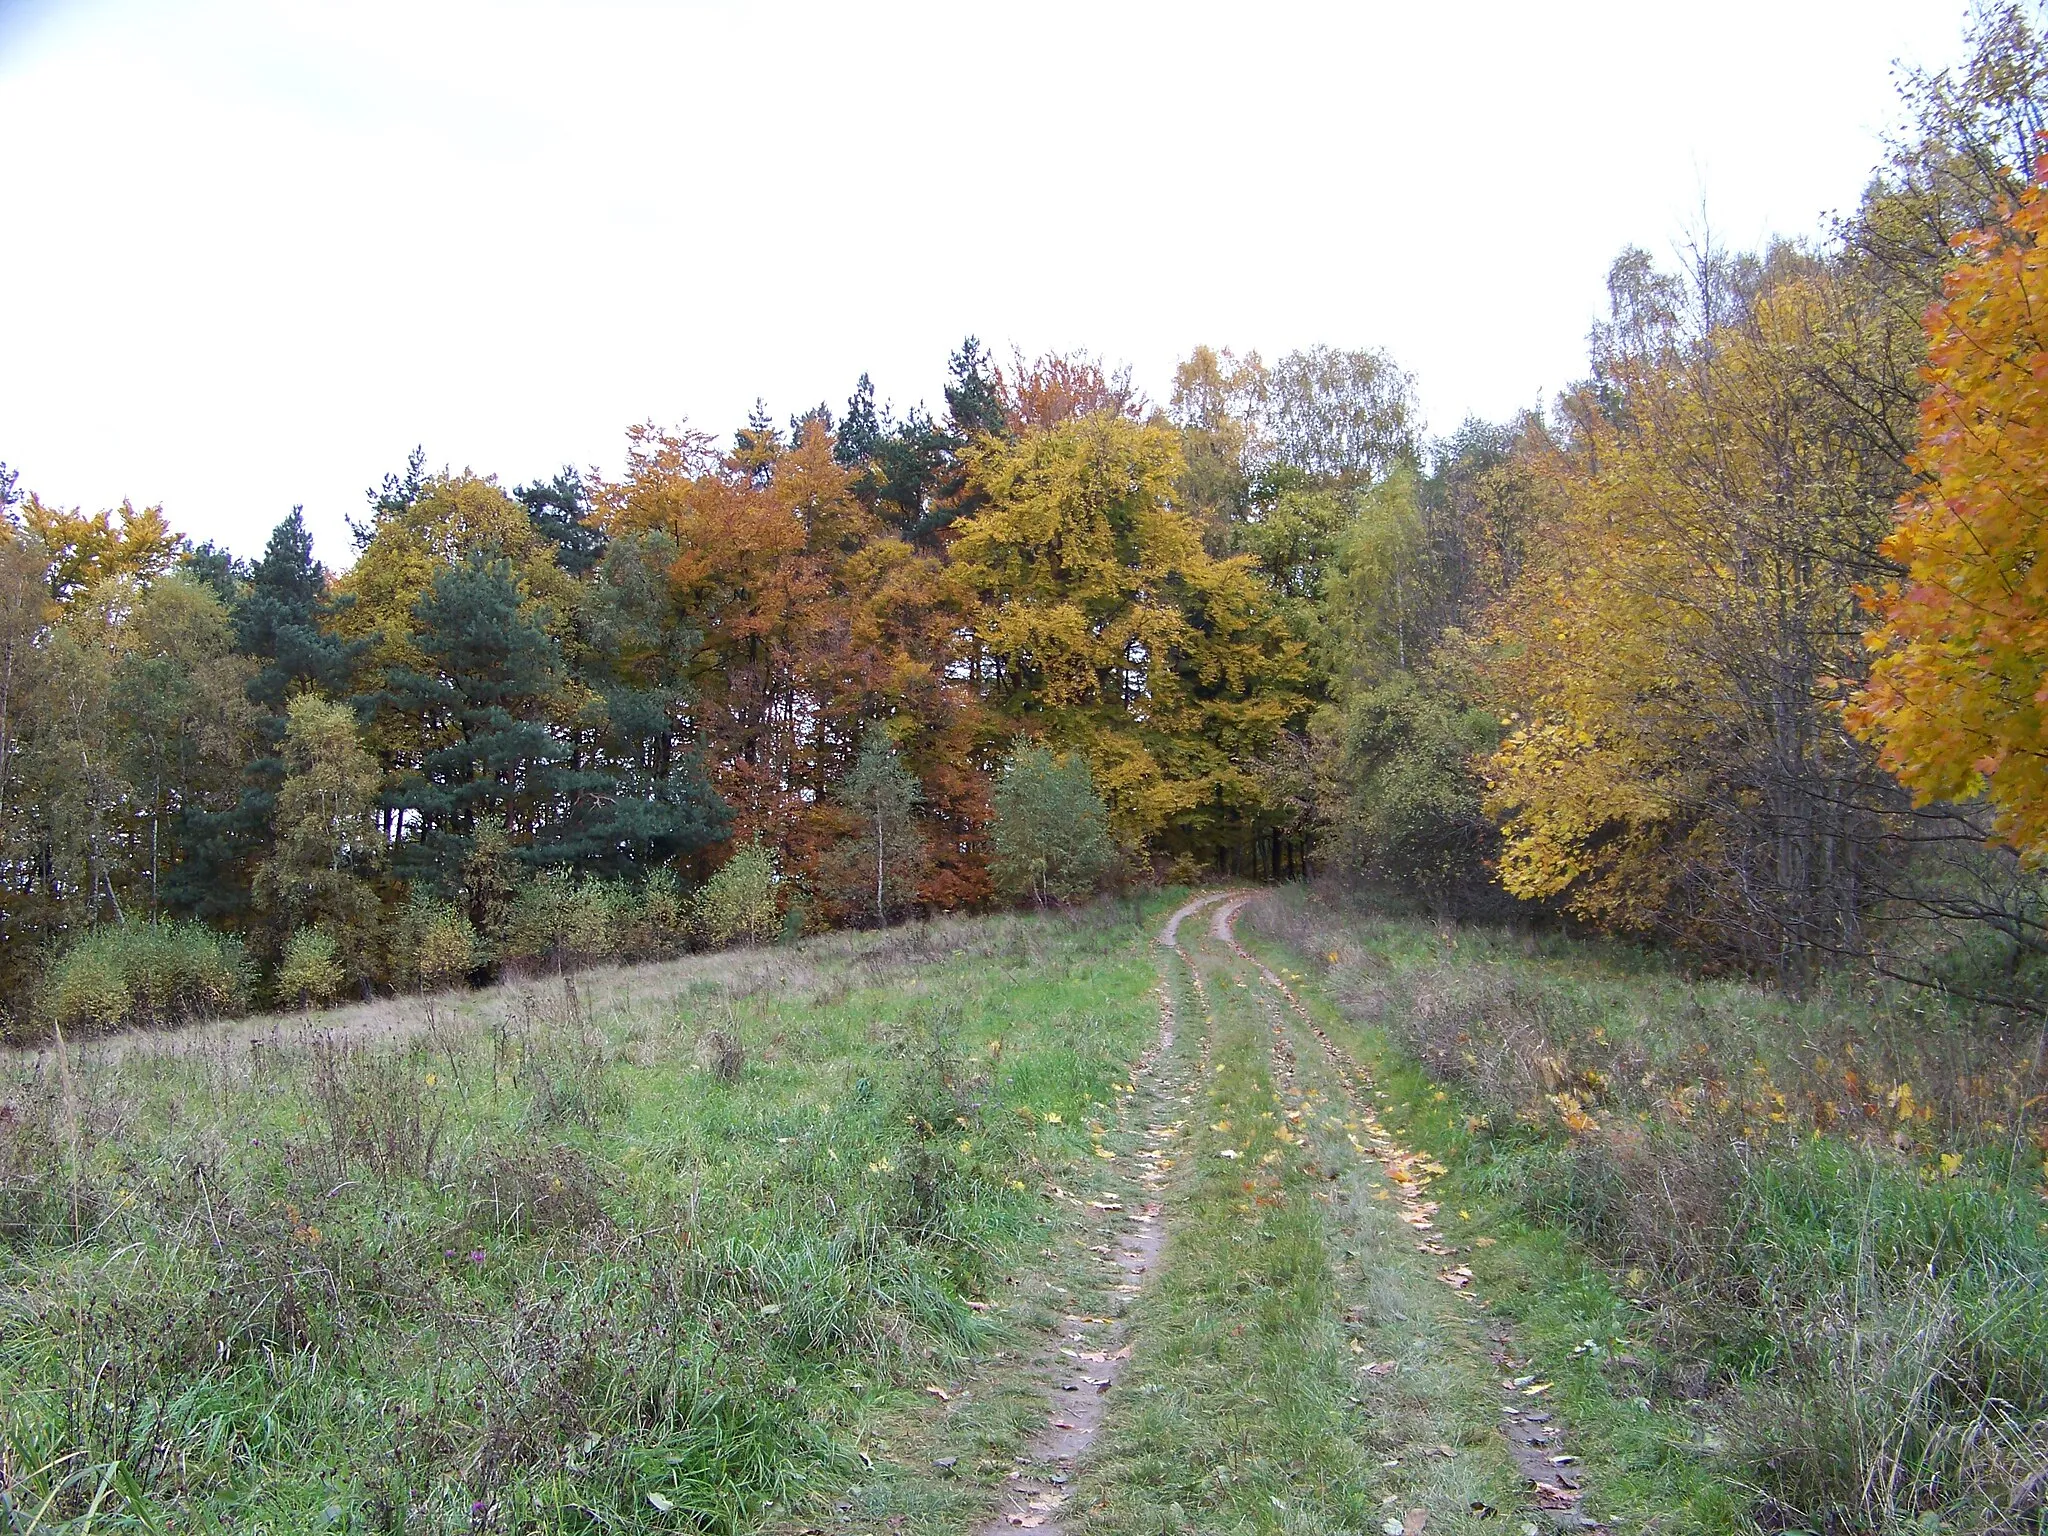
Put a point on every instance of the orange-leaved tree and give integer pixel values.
(1957, 699)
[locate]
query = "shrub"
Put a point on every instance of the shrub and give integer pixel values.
(656, 922)
(145, 975)
(1052, 829)
(739, 901)
(1403, 802)
(560, 921)
(311, 971)
(436, 944)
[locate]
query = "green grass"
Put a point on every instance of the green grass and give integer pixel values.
(528, 1260)
(1789, 1312)
(1249, 1408)
(686, 1246)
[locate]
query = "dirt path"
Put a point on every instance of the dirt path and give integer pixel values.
(1534, 1437)
(1080, 1382)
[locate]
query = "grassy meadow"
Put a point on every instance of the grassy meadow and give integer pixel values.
(635, 1250)
(813, 1238)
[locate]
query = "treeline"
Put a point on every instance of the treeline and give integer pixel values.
(1611, 660)
(832, 647)
(1661, 656)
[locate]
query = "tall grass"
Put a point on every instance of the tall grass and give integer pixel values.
(531, 1262)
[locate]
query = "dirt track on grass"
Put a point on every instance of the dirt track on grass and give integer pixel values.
(1098, 1348)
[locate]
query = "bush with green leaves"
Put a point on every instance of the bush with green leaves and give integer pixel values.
(435, 943)
(1052, 839)
(145, 975)
(659, 920)
(558, 921)
(738, 902)
(311, 970)
(1400, 796)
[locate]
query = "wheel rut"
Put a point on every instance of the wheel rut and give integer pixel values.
(1096, 1349)
(1534, 1437)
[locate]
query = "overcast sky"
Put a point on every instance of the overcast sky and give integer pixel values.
(253, 253)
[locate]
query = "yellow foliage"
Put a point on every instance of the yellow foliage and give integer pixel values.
(1107, 625)
(1668, 645)
(1958, 694)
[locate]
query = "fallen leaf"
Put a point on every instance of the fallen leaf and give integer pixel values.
(1417, 1519)
(940, 1393)
(660, 1503)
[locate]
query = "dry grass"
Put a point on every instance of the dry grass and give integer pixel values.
(515, 1260)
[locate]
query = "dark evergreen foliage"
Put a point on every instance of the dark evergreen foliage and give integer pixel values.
(560, 509)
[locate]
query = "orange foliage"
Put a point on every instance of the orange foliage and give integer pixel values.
(1958, 695)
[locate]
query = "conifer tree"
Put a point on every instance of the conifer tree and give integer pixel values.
(478, 710)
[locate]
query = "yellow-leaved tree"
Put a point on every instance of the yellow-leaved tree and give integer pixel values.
(1107, 627)
(1665, 660)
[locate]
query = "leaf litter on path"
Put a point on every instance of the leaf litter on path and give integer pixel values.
(1531, 1436)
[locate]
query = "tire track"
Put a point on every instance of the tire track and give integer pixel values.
(1097, 1349)
(1534, 1437)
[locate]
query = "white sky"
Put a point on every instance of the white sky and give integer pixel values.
(253, 252)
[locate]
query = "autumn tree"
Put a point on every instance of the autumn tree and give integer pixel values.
(1955, 696)
(1059, 387)
(326, 842)
(810, 617)
(1108, 628)
(1673, 763)
(82, 549)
